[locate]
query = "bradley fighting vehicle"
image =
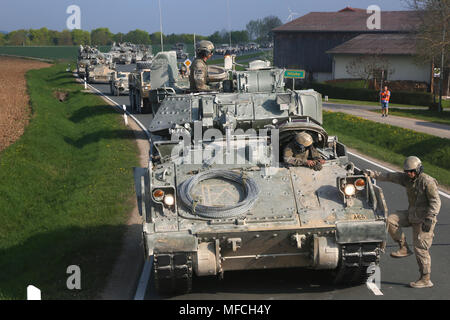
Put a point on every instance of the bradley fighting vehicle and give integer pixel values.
(217, 196)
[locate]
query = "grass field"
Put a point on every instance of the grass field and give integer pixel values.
(427, 115)
(65, 193)
(445, 103)
(391, 144)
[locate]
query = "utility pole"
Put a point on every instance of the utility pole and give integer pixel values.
(441, 73)
(160, 25)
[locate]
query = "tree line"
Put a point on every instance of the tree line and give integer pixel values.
(256, 30)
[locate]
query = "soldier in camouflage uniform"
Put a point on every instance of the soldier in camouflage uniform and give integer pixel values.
(198, 76)
(301, 152)
(424, 205)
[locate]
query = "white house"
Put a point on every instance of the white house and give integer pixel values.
(395, 51)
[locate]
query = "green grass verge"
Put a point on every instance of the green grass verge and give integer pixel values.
(445, 103)
(66, 190)
(427, 115)
(391, 144)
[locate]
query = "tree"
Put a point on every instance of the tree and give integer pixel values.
(64, 38)
(2, 39)
(433, 35)
(81, 37)
(369, 66)
(18, 38)
(253, 29)
(261, 29)
(268, 24)
(155, 38)
(138, 37)
(39, 37)
(119, 37)
(101, 37)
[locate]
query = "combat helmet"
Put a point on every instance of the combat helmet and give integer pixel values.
(413, 163)
(304, 139)
(204, 48)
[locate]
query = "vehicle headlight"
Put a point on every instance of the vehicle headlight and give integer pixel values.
(169, 200)
(146, 88)
(349, 190)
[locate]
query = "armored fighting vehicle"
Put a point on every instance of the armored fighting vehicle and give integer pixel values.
(153, 80)
(99, 73)
(119, 83)
(217, 197)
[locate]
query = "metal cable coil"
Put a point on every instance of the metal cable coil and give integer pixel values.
(218, 212)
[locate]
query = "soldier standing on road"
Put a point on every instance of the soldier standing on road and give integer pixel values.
(385, 96)
(198, 76)
(424, 206)
(301, 152)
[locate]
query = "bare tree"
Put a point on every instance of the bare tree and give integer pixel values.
(369, 66)
(433, 35)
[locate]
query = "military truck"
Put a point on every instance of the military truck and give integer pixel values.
(216, 195)
(119, 83)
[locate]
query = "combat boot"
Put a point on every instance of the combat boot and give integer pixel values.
(403, 251)
(423, 282)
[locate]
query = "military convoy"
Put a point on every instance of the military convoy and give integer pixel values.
(216, 195)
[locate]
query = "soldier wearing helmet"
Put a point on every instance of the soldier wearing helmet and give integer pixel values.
(198, 76)
(301, 152)
(424, 205)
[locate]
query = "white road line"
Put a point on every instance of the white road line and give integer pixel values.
(372, 287)
(442, 193)
(144, 279)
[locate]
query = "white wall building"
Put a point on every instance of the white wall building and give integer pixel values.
(397, 51)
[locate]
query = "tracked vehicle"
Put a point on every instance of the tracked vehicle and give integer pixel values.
(216, 195)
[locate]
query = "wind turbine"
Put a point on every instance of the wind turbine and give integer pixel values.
(291, 15)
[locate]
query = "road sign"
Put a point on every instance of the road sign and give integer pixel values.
(294, 74)
(187, 63)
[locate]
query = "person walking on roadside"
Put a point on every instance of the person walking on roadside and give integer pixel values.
(385, 96)
(424, 206)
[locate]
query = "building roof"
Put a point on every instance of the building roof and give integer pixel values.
(385, 43)
(351, 20)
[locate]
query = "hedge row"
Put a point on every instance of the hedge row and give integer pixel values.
(335, 92)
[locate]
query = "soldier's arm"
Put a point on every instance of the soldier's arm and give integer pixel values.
(288, 157)
(434, 200)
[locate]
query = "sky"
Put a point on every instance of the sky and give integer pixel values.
(202, 17)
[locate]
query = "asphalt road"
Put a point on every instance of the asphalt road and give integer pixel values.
(300, 284)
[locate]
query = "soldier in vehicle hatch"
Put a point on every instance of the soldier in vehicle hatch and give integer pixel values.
(424, 206)
(301, 152)
(198, 76)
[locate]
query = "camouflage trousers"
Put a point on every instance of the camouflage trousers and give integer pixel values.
(421, 240)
